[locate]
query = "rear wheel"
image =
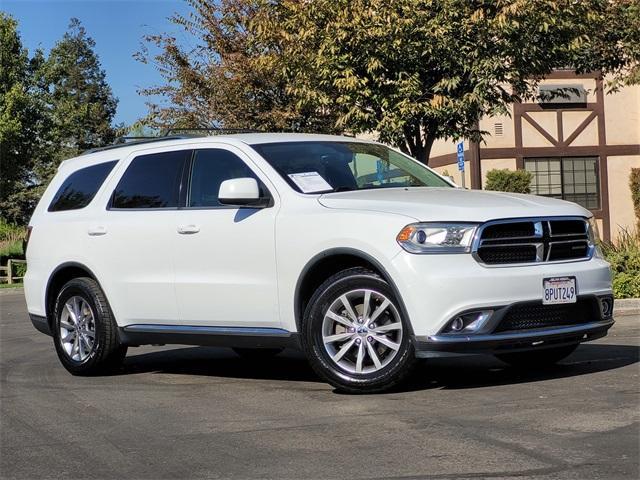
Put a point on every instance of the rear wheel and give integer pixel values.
(85, 332)
(355, 335)
(538, 358)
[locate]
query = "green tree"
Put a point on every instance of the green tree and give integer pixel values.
(225, 75)
(81, 101)
(50, 109)
(23, 123)
(418, 70)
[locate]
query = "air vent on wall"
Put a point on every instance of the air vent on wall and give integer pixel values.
(498, 129)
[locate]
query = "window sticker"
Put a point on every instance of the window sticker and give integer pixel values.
(310, 182)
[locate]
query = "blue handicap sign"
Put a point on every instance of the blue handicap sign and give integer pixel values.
(460, 147)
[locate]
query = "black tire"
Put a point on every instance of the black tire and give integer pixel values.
(257, 353)
(538, 358)
(107, 353)
(385, 378)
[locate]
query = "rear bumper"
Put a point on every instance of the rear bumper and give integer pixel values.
(526, 340)
(40, 323)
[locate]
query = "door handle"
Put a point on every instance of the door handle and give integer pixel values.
(188, 229)
(97, 231)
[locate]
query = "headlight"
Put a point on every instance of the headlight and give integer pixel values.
(437, 237)
(594, 237)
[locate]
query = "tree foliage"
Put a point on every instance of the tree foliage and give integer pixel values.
(82, 102)
(224, 75)
(50, 109)
(418, 70)
(23, 122)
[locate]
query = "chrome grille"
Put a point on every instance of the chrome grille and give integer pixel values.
(533, 240)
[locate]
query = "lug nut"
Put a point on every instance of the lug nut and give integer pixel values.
(372, 325)
(359, 319)
(351, 330)
(369, 339)
(358, 341)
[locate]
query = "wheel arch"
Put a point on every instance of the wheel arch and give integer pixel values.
(60, 276)
(333, 260)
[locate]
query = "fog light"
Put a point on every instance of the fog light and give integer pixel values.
(469, 322)
(606, 307)
(457, 324)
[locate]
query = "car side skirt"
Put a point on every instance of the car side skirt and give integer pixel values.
(247, 337)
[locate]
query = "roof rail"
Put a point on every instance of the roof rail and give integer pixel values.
(120, 143)
(209, 131)
(169, 134)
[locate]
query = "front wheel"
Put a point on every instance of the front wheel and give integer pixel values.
(355, 334)
(538, 358)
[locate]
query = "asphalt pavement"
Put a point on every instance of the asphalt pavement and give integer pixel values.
(195, 412)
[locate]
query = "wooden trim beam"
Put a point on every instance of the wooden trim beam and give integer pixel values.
(567, 151)
(585, 123)
(539, 128)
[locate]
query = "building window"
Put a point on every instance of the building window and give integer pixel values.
(570, 178)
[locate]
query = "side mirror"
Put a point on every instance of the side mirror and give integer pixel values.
(241, 192)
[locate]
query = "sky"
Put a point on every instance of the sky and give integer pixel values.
(117, 26)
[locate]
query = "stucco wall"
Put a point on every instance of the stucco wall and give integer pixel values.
(452, 171)
(620, 204)
(622, 116)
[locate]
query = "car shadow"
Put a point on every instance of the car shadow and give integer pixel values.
(450, 373)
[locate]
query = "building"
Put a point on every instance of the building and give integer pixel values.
(580, 146)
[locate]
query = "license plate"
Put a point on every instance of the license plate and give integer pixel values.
(559, 290)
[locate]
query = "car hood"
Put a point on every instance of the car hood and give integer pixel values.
(451, 204)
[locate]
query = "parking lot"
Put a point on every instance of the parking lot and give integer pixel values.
(194, 412)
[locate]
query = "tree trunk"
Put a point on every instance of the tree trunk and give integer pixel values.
(419, 140)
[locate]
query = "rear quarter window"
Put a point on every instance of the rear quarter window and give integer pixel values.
(80, 187)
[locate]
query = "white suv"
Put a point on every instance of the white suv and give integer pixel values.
(352, 251)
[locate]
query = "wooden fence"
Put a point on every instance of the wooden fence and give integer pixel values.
(6, 273)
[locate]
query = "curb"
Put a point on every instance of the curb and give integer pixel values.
(626, 306)
(8, 291)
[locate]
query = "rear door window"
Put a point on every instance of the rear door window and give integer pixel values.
(80, 187)
(151, 181)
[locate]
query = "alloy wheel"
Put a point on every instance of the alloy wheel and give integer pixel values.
(77, 328)
(362, 331)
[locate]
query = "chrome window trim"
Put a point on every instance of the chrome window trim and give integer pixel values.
(538, 233)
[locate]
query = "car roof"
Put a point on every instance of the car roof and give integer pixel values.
(125, 149)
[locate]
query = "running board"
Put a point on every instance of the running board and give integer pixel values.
(247, 337)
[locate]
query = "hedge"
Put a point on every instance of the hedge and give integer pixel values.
(515, 181)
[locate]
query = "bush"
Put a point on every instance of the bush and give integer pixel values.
(634, 184)
(516, 181)
(624, 256)
(11, 237)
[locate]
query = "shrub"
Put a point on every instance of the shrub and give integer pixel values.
(624, 256)
(11, 237)
(516, 181)
(634, 184)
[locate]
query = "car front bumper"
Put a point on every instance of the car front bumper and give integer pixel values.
(495, 343)
(436, 288)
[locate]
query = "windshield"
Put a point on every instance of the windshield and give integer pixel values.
(316, 167)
